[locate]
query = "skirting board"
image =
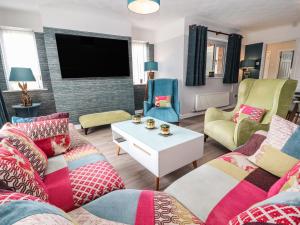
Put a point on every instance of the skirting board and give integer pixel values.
(192, 114)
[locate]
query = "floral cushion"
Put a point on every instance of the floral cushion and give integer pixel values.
(163, 101)
(253, 113)
(27, 147)
(52, 136)
(17, 174)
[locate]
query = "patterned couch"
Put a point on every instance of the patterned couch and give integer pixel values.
(219, 192)
(228, 190)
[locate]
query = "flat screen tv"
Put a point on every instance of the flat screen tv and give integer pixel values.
(81, 56)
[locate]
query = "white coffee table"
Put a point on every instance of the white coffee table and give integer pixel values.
(160, 155)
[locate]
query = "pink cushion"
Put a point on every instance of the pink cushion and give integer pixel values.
(52, 136)
(58, 115)
(268, 214)
(291, 178)
(27, 147)
(255, 114)
(17, 173)
(163, 101)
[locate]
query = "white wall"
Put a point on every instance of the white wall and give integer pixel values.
(21, 19)
(278, 34)
(66, 18)
(171, 49)
(140, 34)
(84, 20)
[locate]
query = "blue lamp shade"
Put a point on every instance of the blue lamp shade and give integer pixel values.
(21, 74)
(143, 6)
(151, 66)
(247, 63)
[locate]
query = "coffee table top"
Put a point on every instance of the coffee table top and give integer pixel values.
(151, 137)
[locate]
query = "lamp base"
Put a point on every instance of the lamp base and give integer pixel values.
(25, 97)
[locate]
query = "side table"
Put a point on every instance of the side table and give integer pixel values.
(27, 111)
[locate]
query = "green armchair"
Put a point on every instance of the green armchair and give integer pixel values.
(273, 95)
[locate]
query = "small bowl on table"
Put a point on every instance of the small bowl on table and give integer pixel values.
(165, 129)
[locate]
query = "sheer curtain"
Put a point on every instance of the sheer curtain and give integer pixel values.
(19, 50)
(139, 57)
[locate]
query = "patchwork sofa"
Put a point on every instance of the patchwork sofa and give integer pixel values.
(69, 180)
(228, 190)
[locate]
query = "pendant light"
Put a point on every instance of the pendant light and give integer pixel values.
(144, 6)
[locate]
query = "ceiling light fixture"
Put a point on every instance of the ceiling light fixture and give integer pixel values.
(144, 6)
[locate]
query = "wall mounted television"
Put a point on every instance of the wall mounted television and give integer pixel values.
(83, 57)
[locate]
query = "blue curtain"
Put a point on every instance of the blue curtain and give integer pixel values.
(197, 50)
(3, 112)
(231, 74)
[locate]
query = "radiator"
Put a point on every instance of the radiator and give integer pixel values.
(218, 99)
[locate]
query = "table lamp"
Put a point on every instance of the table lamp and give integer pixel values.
(151, 66)
(245, 65)
(19, 74)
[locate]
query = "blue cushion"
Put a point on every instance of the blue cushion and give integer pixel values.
(164, 114)
(16, 119)
(291, 147)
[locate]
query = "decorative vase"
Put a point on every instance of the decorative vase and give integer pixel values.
(165, 129)
(136, 118)
(150, 123)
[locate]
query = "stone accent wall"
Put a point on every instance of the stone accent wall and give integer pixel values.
(87, 95)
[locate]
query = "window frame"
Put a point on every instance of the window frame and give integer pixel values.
(147, 59)
(38, 75)
(217, 43)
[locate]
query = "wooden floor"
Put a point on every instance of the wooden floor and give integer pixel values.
(136, 176)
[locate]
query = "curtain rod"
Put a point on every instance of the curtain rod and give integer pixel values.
(217, 32)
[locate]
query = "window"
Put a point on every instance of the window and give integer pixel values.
(18, 48)
(139, 57)
(215, 59)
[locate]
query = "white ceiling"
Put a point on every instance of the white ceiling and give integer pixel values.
(238, 14)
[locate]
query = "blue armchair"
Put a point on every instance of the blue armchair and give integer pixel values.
(163, 87)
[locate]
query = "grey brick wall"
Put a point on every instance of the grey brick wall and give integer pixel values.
(139, 94)
(89, 95)
(44, 96)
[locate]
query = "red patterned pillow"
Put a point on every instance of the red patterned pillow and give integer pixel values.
(58, 115)
(253, 113)
(17, 174)
(8, 196)
(52, 136)
(268, 214)
(27, 147)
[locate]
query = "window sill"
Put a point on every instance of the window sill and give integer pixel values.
(214, 77)
(13, 91)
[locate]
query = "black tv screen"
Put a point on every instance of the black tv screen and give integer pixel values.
(81, 56)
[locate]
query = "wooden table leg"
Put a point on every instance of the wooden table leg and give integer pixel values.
(293, 112)
(118, 150)
(195, 164)
(157, 183)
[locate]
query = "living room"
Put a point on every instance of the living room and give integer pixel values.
(149, 112)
